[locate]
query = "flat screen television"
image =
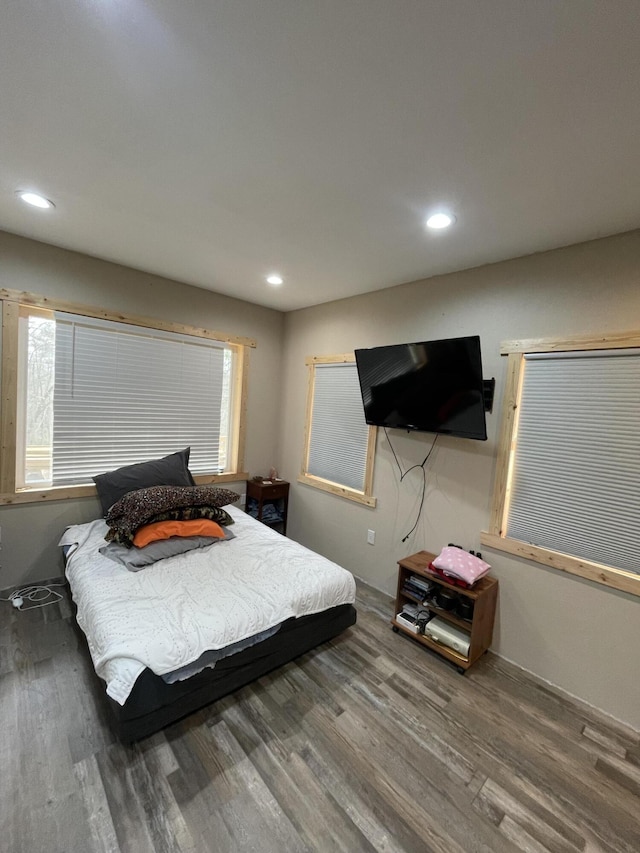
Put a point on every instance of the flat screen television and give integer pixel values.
(430, 386)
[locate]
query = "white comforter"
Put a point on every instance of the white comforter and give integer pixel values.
(168, 614)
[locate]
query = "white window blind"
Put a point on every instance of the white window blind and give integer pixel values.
(576, 472)
(339, 432)
(124, 394)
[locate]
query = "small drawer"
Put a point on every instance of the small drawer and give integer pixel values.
(267, 491)
(278, 490)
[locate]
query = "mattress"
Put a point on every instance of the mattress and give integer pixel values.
(153, 704)
(168, 615)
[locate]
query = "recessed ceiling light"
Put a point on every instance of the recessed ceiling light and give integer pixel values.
(440, 220)
(35, 199)
(274, 279)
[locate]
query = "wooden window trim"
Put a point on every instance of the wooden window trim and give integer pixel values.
(495, 536)
(36, 301)
(363, 497)
(11, 302)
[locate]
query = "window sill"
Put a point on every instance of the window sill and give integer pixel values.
(55, 493)
(597, 572)
(227, 477)
(335, 489)
(65, 493)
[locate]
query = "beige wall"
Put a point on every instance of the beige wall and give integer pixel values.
(573, 633)
(30, 533)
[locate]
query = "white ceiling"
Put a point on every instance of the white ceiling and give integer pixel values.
(218, 141)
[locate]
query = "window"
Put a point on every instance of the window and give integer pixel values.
(84, 394)
(567, 488)
(339, 445)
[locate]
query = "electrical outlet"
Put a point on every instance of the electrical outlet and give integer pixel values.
(371, 537)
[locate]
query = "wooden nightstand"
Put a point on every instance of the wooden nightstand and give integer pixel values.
(268, 501)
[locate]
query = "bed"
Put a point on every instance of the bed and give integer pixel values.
(190, 629)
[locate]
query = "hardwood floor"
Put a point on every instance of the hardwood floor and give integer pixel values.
(368, 743)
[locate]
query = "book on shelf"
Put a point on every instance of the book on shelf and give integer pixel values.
(414, 593)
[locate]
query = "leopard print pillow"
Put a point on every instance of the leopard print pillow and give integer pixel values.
(139, 507)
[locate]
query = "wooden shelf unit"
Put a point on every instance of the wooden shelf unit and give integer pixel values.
(274, 492)
(484, 595)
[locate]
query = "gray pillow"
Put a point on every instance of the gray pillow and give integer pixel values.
(172, 470)
(139, 558)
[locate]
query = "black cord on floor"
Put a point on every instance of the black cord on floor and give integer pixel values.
(404, 474)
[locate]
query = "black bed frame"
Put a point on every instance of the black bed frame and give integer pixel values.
(154, 704)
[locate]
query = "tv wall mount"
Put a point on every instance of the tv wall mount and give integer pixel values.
(488, 390)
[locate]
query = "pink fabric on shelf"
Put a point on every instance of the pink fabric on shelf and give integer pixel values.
(461, 564)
